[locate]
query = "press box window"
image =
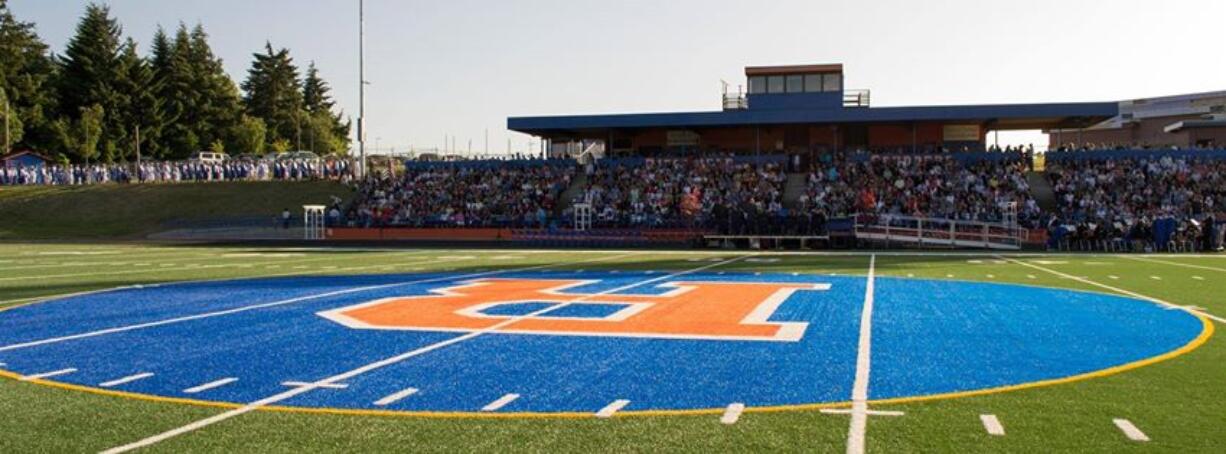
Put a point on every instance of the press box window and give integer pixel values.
(775, 84)
(796, 84)
(813, 83)
(757, 85)
(832, 82)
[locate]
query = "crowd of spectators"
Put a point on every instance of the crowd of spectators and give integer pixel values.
(175, 172)
(1157, 202)
(465, 194)
(725, 193)
(924, 186)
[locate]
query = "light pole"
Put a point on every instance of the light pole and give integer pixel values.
(362, 85)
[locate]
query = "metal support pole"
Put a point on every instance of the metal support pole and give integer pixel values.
(362, 86)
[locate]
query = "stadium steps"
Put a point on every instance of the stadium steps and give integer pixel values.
(1041, 190)
(577, 186)
(794, 188)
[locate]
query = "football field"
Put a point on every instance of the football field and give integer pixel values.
(128, 347)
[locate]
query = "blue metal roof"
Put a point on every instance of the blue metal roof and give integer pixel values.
(1007, 116)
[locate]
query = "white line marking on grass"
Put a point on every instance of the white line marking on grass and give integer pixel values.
(859, 392)
(992, 425)
(1185, 265)
(210, 385)
(848, 411)
(396, 397)
(501, 402)
(236, 310)
(1130, 430)
(394, 360)
(609, 410)
(125, 380)
(732, 414)
(54, 373)
(1121, 291)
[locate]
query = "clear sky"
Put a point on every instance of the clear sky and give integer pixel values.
(460, 67)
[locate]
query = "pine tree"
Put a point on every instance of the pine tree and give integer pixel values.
(26, 73)
(90, 70)
(142, 108)
(218, 101)
(273, 94)
(330, 136)
(176, 88)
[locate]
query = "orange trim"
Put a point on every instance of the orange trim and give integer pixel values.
(793, 69)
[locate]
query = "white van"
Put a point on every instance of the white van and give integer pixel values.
(209, 157)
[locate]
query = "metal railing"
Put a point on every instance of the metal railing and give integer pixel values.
(857, 98)
(936, 232)
(735, 101)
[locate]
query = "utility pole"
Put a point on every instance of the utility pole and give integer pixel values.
(139, 176)
(7, 114)
(362, 85)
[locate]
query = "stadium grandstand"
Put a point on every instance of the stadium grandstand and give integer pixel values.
(800, 161)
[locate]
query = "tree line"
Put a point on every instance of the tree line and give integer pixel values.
(101, 98)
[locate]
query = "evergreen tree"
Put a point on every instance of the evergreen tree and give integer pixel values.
(26, 73)
(273, 94)
(318, 103)
(142, 108)
(11, 127)
(91, 69)
(167, 94)
(81, 136)
(218, 107)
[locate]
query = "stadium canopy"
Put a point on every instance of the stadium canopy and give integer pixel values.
(790, 108)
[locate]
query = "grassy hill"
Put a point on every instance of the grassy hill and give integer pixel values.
(132, 211)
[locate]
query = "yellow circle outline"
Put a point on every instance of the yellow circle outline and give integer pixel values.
(1206, 333)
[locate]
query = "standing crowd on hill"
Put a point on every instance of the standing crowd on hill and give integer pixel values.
(176, 172)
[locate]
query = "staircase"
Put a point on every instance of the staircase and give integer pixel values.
(1041, 190)
(578, 184)
(793, 189)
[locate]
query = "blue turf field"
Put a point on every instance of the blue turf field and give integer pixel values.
(929, 337)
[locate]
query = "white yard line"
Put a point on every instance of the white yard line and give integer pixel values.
(859, 391)
(396, 397)
(992, 425)
(125, 380)
(158, 256)
(732, 414)
(240, 309)
(1121, 291)
(1185, 265)
(501, 402)
(609, 410)
(54, 373)
(236, 264)
(388, 362)
(1130, 430)
(210, 385)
